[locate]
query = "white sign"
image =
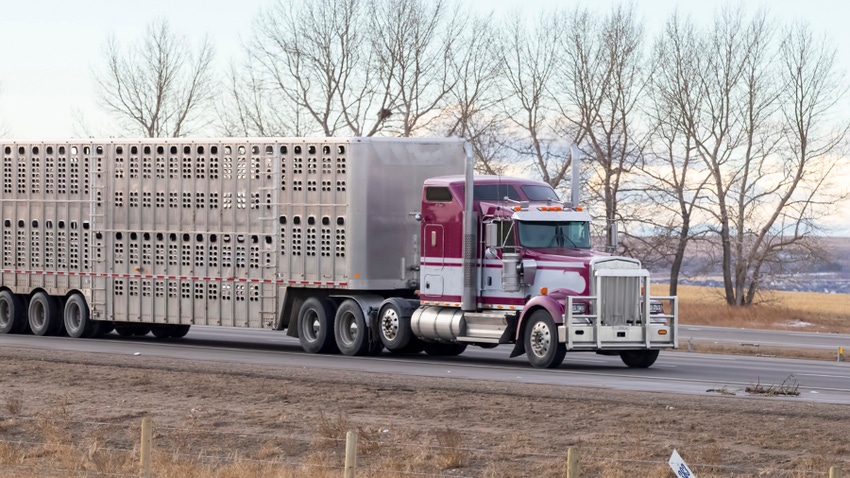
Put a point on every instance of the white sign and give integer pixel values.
(679, 467)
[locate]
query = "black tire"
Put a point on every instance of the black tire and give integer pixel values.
(76, 318)
(43, 315)
(350, 331)
(315, 326)
(140, 330)
(124, 329)
(105, 327)
(180, 331)
(541, 341)
(639, 358)
(13, 317)
(393, 323)
(162, 331)
(444, 350)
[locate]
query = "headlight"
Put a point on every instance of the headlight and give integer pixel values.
(656, 308)
(579, 308)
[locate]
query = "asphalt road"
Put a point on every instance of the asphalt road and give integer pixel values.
(674, 372)
(765, 338)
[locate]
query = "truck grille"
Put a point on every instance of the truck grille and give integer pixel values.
(619, 300)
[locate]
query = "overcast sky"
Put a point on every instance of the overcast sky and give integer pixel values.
(49, 47)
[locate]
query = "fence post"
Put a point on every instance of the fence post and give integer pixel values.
(145, 448)
(350, 453)
(834, 472)
(572, 463)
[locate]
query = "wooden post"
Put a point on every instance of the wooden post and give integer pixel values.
(572, 463)
(834, 472)
(145, 448)
(350, 453)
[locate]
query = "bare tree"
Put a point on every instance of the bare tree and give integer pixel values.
(529, 60)
(160, 87)
(600, 84)
(673, 176)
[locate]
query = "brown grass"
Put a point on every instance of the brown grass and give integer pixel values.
(803, 311)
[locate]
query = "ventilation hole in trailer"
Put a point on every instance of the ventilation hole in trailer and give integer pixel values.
(225, 238)
(283, 150)
(311, 149)
(296, 220)
(186, 238)
(326, 149)
(159, 236)
(297, 150)
(118, 150)
(86, 150)
(99, 150)
(74, 225)
(147, 150)
(199, 238)
(228, 150)
(213, 237)
(283, 219)
(326, 221)
(35, 150)
(241, 150)
(8, 150)
(160, 150)
(134, 150)
(268, 239)
(98, 235)
(213, 149)
(147, 236)
(21, 150)
(20, 223)
(85, 225)
(172, 237)
(61, 224)
(240, 238)
(48, 224)
(255, 239)
(311, 220)
(7, 223)
(118, 236)
(133, 236)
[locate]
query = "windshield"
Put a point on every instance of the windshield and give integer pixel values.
(543, 234)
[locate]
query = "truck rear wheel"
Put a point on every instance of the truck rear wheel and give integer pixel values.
(350, 331)
(315, 326)
(541, 341)
(639, 358)
(394, 325)
(76, 318)
(180, 330)
(13, 319)
(43, 315)
(444, 350)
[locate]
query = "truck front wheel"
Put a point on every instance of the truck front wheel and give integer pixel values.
(639, 358)
(315, 326)
(541, 341)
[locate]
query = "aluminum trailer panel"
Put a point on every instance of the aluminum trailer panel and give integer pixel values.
(213, 231)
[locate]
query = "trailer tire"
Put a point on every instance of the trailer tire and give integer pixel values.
(350, 331)
(394, 325)
(105, 328)
(141, 330)
(163, 331)
(124, 329)
(180, 330)
(639, 358)
(541, 341)
(13, 318)
(315, 326)
(43, 315)
(76, 318)
(444, 350)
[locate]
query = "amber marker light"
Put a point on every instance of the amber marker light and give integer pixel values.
(662, 332)
(579, 208)
(544, 290)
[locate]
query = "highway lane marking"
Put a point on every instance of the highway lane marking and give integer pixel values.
(822, 375)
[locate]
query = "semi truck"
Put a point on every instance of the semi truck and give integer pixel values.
(351, 245)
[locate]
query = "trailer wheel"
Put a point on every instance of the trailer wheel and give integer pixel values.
(141, 330)
(43, 315)
(639, 358)
(350, 331)
(76, 318)
(315, 326)
(163, 331)
(13, 319)
(444, 350)
(124, 329)
(541, 341)
(394, 325)
(180, 330)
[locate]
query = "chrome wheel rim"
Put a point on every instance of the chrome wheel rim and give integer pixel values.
(541, 339)
(389, 324)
